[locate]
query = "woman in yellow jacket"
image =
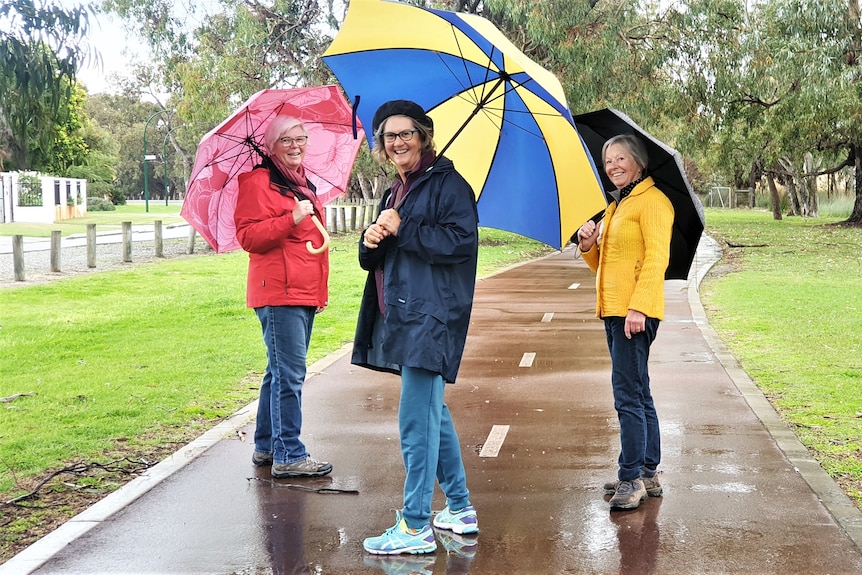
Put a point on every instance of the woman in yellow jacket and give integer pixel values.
(629, 251)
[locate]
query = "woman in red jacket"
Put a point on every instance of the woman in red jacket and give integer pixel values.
(287, 285)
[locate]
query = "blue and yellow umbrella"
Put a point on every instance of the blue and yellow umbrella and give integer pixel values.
(502, 118)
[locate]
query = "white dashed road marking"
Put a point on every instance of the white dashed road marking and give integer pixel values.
(527, 359)
(495, 441)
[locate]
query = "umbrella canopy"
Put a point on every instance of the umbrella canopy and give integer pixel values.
(502, 118)
(235, 146)
(665, 167)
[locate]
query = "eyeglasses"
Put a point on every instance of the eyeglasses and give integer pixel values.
(405, 136)
(299, 141)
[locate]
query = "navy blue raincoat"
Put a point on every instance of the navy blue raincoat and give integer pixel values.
(429, 276)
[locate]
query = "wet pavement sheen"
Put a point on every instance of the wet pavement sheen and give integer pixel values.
(733, 502)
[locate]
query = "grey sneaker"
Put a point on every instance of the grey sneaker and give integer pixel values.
(308, 467)
(260, 458)
(629, 494)
(651, 484)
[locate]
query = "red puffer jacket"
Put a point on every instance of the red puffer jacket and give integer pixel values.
(281, 270)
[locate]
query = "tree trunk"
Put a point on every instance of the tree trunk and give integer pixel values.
(773, 194)
(809, 181)
(856, 217)
(753, 177)
(365, 186)
(793, 205)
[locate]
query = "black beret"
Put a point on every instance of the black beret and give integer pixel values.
(401, 108)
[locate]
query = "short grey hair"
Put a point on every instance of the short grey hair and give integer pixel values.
(633, 144)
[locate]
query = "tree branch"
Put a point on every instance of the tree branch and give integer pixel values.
(78, 469)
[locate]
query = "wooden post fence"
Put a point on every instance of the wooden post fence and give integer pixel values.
(350, 216)
(157, 237)
(18, 257)
(91, 245)
(55, 250)
(127, 242)
(190, 246)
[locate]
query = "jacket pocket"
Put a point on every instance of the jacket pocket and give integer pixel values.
(418, 306)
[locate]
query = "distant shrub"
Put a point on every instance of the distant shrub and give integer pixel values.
(99, 205)
(118, 198)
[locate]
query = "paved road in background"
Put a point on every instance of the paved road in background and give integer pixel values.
(535, 416)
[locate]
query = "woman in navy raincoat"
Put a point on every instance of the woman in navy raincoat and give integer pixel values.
(421, 257)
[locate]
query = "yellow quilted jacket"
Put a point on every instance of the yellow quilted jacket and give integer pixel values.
(632, 253)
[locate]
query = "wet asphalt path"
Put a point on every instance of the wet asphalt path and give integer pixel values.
(741, 496)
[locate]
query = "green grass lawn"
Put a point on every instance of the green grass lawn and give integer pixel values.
(787, 301)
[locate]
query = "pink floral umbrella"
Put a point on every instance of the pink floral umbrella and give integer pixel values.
(235, 146)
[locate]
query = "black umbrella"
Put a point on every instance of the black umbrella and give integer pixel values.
(665, 167)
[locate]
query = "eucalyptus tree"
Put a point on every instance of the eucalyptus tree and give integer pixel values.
(606, 54)
(777, 82)
(211, 55)
(41, 49)
(217, 53)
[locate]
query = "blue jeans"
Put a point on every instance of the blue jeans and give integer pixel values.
(286, 333)
(640, 443)
(429, 446)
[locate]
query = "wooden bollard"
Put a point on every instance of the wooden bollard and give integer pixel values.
(18, 257)
(91, 245)
(157, 237)
(55, 250)
(331, 224)
(190, 246)
(127, 242)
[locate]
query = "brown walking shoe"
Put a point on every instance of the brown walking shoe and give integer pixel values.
(260, 458)
(629, 494)
(308, 467)
(651, 484)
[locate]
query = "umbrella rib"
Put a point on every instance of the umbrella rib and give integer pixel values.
(475, 111)
(333, 184)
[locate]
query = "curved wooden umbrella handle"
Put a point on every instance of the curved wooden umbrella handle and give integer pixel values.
(325, 235)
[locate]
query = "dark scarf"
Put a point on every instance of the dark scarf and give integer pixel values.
(290, 180)
(625, 191)
(401, 189)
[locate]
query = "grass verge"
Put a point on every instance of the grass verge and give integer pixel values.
(787, 301)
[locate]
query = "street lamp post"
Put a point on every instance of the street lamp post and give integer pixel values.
(146, 157)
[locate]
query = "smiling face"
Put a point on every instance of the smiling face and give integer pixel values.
(620, 166)
(405, 155)
(290, 153)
